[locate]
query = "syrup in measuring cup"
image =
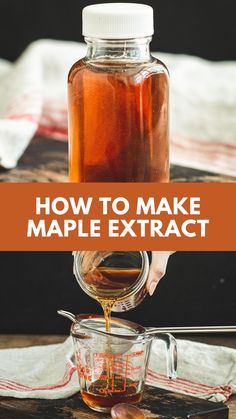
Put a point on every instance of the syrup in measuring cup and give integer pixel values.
(114, 392)
(116, 367)
(112, 367)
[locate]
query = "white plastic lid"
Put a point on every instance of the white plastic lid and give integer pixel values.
(118, 21)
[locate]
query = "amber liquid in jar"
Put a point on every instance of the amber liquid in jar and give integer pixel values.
(113, 280)
(118, 121)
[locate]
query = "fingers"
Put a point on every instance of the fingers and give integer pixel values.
(157, 269)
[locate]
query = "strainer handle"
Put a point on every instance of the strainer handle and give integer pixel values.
(171, 353)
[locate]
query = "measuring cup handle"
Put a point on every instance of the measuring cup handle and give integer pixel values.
(171, 353)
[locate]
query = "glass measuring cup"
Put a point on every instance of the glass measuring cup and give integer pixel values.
(116, 276)
(112, 367)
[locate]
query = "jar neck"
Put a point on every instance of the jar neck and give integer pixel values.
(122, 49)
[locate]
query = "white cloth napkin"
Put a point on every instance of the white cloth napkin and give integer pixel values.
(33, 96)
(48, 372)
(205, 371)
(203, 104)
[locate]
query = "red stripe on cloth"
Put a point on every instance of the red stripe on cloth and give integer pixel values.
(188, 382)
(25, 116)
(218, 144)
(70, 369)
(54, 119)
(12, 385)
(182, 380)
(222, 390)
(204, 143)
(190, 386)
(172, 384)
(52, 131)
(201, 151)
(173, 388)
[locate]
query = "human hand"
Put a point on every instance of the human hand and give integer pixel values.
(157, 269)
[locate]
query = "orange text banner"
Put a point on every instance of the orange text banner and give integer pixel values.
(118, 216)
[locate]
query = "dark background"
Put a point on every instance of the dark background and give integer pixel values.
(204, 28)
(199, 288)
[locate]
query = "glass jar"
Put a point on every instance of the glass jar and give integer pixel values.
(118, 100)
(116, 276)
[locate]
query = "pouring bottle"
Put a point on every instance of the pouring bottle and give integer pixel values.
(116, 278)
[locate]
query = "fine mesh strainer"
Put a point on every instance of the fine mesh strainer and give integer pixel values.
(88, 331)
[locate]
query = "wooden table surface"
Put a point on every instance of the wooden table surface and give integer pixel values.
(10, 341)
(46, 160)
